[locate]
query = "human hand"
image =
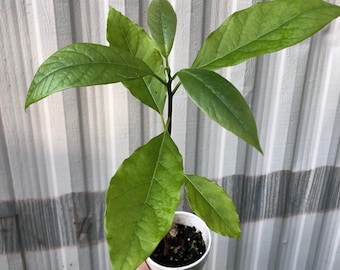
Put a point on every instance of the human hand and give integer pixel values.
(143, 266)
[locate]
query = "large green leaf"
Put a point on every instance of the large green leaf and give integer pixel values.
(124, 34)
(212, 203)
(222, 102)
(141, 201)
(84, 64)
(263, 28)
(162, 21)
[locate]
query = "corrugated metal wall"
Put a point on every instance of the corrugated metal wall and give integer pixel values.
(57, 158)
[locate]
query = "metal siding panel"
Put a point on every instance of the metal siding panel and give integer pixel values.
(56, 159)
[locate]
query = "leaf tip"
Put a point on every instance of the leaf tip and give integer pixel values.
(27, 104)
(258, 148)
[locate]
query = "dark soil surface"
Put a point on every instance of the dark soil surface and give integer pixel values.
(181, 246)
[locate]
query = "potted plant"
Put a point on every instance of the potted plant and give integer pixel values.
(144, 192)
(186, 245)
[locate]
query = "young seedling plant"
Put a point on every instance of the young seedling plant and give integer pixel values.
(145, 191)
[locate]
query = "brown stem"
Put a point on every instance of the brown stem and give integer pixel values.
(166, 245)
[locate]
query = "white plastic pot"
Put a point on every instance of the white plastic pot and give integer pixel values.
(188, 219)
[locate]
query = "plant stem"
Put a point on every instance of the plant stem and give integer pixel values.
(170, 95)
(176, 88)
(170, 102)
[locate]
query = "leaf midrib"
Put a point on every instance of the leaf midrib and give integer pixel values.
(162, 25)
(133, 53)
(260, 36)
(85, 64)
(233, 115)
(148, 194)
(215, 210)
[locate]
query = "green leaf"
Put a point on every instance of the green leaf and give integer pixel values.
(162, 21)
(212, 203)
(84, 64)
(263, 28)
(222, 102)
(141, 200)
(124, 34)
